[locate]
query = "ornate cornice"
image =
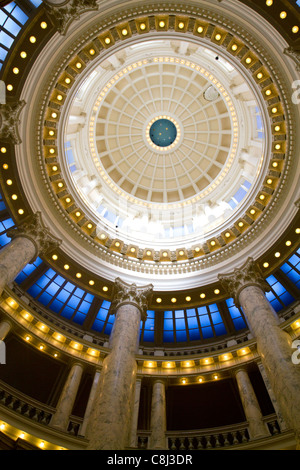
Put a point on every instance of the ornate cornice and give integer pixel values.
(10, 120)
(64, 15)
(248, 275)
(34, 229)
(125, 294)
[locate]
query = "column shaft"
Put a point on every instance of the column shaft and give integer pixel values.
(67, 398)
(91, 403)
(135, 415)
(158, 416)
(257, 428)
(14, 257)
(274, 347)
(5, 328)
(109, 426)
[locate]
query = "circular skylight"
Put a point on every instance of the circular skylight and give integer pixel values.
(163, 132)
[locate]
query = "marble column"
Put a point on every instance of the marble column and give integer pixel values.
(110, 424)
(281, 422)
(5, 327)
(27, 241)
(60, 419)
(158, 422)
(135, 414)
(90, 404)
(274, 345)
(257, 428)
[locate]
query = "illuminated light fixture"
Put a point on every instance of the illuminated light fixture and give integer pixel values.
(274, 110)
(132, 250)
(89, 226)
(117, 244)
(2, 426)
(91, 282)
(277, 254)
(165, 254)
(27, 338)
(212, 243)
(54, 257)
(105, 288)
(142, 26)
(32, 39)
(42, 444)
(277, 128)
(288, 243)
(54, 115)
(262, 197)
(200, 29)
(148, 253)
(217, 291)
(216, 377)
(197, 249)
(248, 60)
(41, 347)
(181, 25)
(52, 151)
(67, 80)
(218, 37)
(269, 3)
(275, 164)
(268, 92)
(295, 29)
(183, 381)
(3, 149)
(188, 298)
(107, 40)
(266, 265)
(14, 197)
(181, 252)
(59, 97)
(51, 133)
(278, 146)
(92, 51)
(78, 214)
(102, 236)
(78, 65)
(44, 25)
(93, 352)
(161, 24)
(10, 87)
(66, 266)
(124, 32)
(76, 346)
(234, 47)
(16, 70)
(21, 211)
(200, 379)
(23, 54)
(5, 166)
(55, 355)
(22, 435)
(252, 212)
(269, 181)
(78, 275)
(60, 185)
(158, 300)
(227, 234)
(54, 168)
(283, 15)
(241, 224)
(297, 230)
(68, 200)
(173, 300)
(202, 295)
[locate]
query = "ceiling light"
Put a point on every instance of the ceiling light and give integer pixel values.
(89, 226)
(78, 65)
(16, 70)
(54, 257)
(202, 296)
(295, 29)
(10, 87)
(14, 197)
(234, 47)
(269, 181)
(23, 54)
(297, 230)
(268, 92)
(277, 128)
(68, 200)
(181, 25)
(92, 51)
(44, 25)
(275, 164)
(148, 253)
(188, 299)
(259, 75)
(269, 3)
(218, 37)
(283, 15)
(3, 149)
(67, 80)
(266, 265)
(248, 60)
(105, 288)
(107, 40)
(288, 243)
(274, 110)
(142, 26)
(161, 24)
(158, 300)
(216, 291)
(200, 29)
(32, 39)
(173, 300)
(9, 182)
(124, 32)
(277, 254)
(78, 275)
(60, 185)
(66, 266)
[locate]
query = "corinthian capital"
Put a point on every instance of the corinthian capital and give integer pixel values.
(63, 13)
(9, 121)
(125, 293)
(34, 229)
(248, 275)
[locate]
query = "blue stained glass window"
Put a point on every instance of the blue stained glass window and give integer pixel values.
(148, 327)
(103, 320)
(4, 226)
(292, 269)
(36, 3)
(30, 268)
(236, 315)
(12, 18)
(278, 296)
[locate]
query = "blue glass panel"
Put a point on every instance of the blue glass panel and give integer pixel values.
(207, 332)
(105, 304)
(180, 323)
(79, 318)
(168, 336)
(179, 313)
(69, 287)
(192, 322)
(19, 15)
(73, 302)
(67, 312)
(8, 223)
(213, 308)
(89, 297)
(84, 307)
(239, 195)
(181, 336)
(4, 240)
(43, 281)
(3, 54)
(216, 317)
(149, 323)
(191, 312)
(56, 306)
(278, 288)
(287, 298)
(36, 3)
(34, 291)
(220, 329)
(204, 320)
(79, 292)
(98, 325)
(202, 310)
(168, 314)
(108, 328)
(12, 27)
(5, 39)
(149, 336)
(239, 323)
(10, 7)
(294, 260)
(63, 295)
(194, 335)
(45, 298)
(52, 288)
(102, 314)
(168, 324)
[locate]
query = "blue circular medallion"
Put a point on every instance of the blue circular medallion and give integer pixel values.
(163, 132)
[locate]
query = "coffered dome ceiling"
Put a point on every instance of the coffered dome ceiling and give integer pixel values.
(162, 142)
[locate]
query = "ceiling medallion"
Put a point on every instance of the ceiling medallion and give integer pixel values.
(163, 133)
